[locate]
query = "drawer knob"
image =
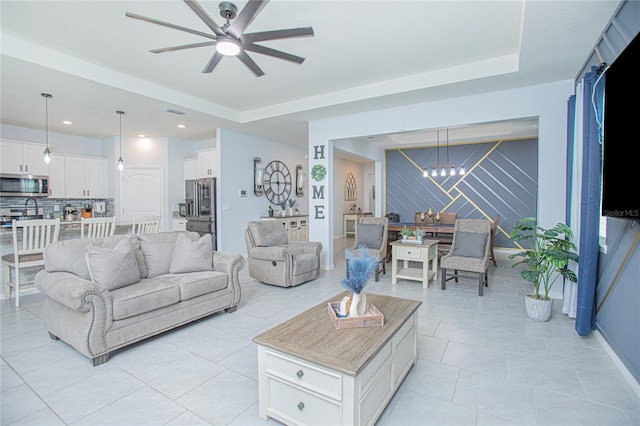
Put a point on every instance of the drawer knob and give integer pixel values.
(300, 406)
(300, 373)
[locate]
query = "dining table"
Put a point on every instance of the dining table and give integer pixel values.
(429, 228)
(434, 231)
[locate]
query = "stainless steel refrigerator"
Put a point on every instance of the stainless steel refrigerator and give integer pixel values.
(200, 201)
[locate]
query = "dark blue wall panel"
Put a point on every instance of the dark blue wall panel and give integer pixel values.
(501, 178)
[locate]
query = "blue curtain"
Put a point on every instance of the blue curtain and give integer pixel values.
(571, 122)
(593, 91)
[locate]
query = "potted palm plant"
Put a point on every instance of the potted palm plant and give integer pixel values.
(545, 261)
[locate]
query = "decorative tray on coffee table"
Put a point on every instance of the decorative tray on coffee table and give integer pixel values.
(372, 318)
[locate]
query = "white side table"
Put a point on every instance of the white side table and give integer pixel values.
(406, 252)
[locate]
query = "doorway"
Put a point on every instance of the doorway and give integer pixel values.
(140, 192)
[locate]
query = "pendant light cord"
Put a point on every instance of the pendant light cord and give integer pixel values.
(438, 149)
(46, 120)
(448, 146)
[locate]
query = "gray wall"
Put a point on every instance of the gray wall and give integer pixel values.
(617, 291)
(501, 178)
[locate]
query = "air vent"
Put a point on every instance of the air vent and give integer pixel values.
(175, 111)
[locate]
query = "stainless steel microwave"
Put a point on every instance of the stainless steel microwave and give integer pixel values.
(23, 185)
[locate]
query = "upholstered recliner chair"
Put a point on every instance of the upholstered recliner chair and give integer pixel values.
(272, 259)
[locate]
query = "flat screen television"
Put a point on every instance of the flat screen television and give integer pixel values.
(620, 178)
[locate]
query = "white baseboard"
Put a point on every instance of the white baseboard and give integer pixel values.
(635, 385)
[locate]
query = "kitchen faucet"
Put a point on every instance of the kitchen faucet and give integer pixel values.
(26, 203)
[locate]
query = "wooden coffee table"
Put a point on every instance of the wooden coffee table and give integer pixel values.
(309, 372)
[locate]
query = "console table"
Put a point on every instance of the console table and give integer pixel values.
(309, 372)
(348, 218)
(406, 252)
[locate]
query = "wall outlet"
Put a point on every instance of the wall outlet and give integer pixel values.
(56, 207)
(243, 192)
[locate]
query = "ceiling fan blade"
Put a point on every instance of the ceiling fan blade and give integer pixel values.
(184, 46)
(202, 14)
(168, 25)
(250, 63)
(277, 34)
(215, 59)
(273, 52)
(245, 17)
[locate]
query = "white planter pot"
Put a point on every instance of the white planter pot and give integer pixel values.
(538, 309)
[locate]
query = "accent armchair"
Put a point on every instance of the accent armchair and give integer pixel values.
(272, 259)
(470, 252)
(372, 232)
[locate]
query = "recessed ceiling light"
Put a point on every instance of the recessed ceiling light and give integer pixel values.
(182, 126)
(67, 122)
(141, 135)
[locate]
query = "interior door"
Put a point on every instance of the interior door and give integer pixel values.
(141, 192)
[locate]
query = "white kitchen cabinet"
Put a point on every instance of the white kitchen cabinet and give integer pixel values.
(206, 159)
(85, 177)
(22, 158)
(191, 169)
(57, 177)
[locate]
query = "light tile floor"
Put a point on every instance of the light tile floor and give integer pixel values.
(480, 362)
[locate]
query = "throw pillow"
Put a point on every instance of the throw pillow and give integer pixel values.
(470, 244)
(112, 268)
(157, 249)
(69, 255)
(370, 235)
(192, 256)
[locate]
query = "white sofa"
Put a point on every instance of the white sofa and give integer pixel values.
(103, 294)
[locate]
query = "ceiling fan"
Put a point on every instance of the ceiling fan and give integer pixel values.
(230, 39)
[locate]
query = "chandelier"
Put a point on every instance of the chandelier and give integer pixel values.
(443, 169)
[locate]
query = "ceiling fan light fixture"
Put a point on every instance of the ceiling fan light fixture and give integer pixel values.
(227, 46)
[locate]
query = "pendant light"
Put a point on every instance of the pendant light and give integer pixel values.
(445, 169)
(120, 160)
(47, 152)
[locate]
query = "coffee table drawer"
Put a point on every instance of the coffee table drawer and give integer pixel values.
(302, 374)
(409, 253)
(301, 407)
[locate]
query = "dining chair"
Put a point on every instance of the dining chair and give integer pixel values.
(469, 252)
(494, 230)
(445, 240)
(30, 238)
(372, 233)
(146, 224)
(97, 227)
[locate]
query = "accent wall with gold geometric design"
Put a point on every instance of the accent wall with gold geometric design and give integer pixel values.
(501, 178)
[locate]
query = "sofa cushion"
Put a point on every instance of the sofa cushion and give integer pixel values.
(112, 268)
(137, 250)
(145, 296)
(192, 256)
(267, 233)
(69, 255)
(370, 235)
(470, 244)
(196, 284)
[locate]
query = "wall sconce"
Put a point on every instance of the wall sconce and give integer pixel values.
(300, 178)
(258, 177)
